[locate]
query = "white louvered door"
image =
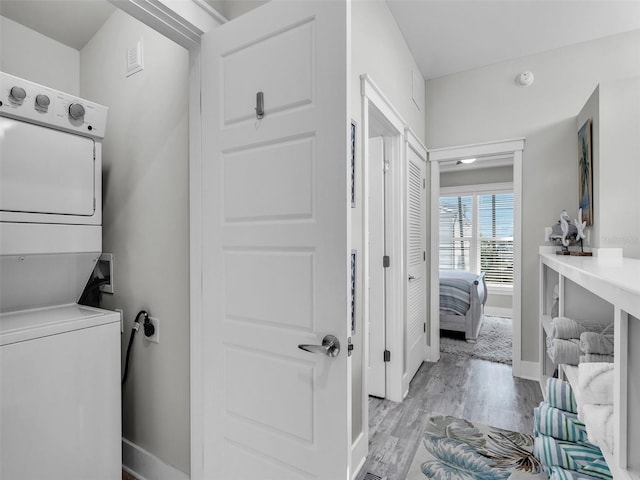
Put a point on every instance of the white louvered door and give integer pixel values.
(416, 248)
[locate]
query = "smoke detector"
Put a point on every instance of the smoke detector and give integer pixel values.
(524, 79)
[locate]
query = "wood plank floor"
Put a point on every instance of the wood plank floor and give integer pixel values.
(477, 390)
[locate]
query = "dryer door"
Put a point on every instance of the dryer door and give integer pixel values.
(45, 171)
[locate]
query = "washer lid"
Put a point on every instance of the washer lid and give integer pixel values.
(41, 322)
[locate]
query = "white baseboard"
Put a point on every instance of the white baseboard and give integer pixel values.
(431, 355)
(146, 466)
(498, 311)
(359, 454)
(527, 370)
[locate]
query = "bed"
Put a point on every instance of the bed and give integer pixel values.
(462, 299)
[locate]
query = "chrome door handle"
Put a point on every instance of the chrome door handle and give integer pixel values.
(411, 277)
(330, 347)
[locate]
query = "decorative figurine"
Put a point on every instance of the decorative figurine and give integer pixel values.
(564, 225)
(580, 226)
(563, 233)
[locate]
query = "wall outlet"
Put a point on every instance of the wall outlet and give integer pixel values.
(155, 338)
(119, 310)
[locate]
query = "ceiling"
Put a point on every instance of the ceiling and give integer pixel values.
(445, 36)
(450, 36)
(71, 22)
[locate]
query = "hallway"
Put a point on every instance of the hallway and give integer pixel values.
(476, 390)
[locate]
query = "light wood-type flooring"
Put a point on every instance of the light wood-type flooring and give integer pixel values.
(480, 391)
(477, 390)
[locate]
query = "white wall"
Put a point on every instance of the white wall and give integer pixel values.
(30, 55)
(378, 49)
(485, 104)
(499, 304)
(619, 167)
(146, 222)
(476, 176)
(231, 9)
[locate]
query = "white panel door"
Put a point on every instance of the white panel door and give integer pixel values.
(376, 368)
(416, 342)
(276, 243)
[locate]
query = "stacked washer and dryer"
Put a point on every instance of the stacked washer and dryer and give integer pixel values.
(59, 361)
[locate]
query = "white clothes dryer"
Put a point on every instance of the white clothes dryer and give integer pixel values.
(59, 361)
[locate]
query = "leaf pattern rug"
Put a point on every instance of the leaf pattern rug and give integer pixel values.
(456, 449)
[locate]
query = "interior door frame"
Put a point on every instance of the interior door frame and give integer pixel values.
(373, 100)
(376, 335)
(185, 23)
(512, 147)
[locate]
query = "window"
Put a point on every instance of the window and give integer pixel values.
(476, 232)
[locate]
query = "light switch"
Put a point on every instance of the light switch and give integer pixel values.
(134, 58)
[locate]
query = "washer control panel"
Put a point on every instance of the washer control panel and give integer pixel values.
(29, 101)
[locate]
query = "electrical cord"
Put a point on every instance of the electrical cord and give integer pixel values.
(134, 329)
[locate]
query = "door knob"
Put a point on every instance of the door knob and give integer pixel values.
(330, 347)
(411, 277)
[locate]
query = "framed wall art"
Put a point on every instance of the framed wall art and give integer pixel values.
(353, 164)
(585, 172)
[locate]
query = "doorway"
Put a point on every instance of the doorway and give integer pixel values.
(376, 367)
(505, 153)
(145, 188)
(383, 337)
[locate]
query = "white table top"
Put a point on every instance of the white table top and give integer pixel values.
(615, 279)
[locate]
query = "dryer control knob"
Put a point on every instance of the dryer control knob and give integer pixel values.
(76, 111)
(42, 101)
(18, 93)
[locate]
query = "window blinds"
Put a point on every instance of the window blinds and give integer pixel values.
(495, 218)
(476, 234)
(456, 231)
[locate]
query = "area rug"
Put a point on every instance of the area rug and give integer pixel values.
(456, 449)
(494, 341)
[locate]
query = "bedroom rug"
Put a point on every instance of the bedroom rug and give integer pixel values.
(455, 449)
(494, 341)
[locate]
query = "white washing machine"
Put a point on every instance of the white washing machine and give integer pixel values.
(60, 414)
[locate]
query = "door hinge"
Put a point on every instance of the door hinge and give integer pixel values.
(387, 356)
(349, 347)
(424, 256)
(424, 327)
(386, 261)
(424, 183)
